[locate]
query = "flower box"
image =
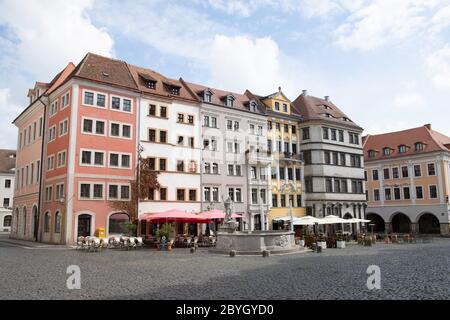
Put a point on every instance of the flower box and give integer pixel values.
(340, 244)
(322, 244)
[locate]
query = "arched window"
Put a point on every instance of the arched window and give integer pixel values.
(7, 221)
(47, 222)
(58, 222)
(24, 220)
(16, 221)
(116, 223)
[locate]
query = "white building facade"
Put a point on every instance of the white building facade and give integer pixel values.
(7, 173)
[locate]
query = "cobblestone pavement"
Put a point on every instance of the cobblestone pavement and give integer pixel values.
(408, 271)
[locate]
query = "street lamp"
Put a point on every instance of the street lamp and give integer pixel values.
(289, 189)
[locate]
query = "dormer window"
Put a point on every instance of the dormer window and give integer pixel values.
(371, 153)
(327, 115)
(253, 106)
(402, 148)
(386, 151)
(229, 101)
(175, 90)
(418, 146)
(207, 96)
(150, 84)
(326, 107)
(346, 119)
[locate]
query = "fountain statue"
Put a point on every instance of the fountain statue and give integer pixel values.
(229, 224)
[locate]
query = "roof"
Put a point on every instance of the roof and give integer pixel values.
(219, 96)
(140, 75)
(105, 70)
(313, 108)
(7, 161)
(432, 141)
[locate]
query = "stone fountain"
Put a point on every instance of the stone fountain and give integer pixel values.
(232, 241)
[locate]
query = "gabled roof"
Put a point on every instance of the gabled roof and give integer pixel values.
(241, 101)
(7, 161)
(105, 70)
(432, 141)
(140, 74)
(275, 95)
(313, 108)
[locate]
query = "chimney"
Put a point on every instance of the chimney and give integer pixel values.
(304, 93)
(327, 98)
(428, 125)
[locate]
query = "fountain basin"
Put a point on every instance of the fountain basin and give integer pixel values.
(255, 242)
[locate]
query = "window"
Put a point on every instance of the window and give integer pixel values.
(7, 221)
(371, 153)
(406, 193)
(433, 192)
(353, 138)
(152, 135)
(418, 146)
(305, 133)
(61, 159)
(402, 148)
(162, 136)
(269, 125)
(5, 202)
(101, 98)
(386, 151)
(52, 133)
(328, 185)
(190, 119)
(92, 158)
(253, 173)
(50, 163)
(163, 112)
(206, 122)
(273, 173)
(341, 135)
(192, 166)
(63, 125)
(152, 110)
(431, 169)
(278, 126)
(419, 192)
(285, 107)
(53, 108)
(376, 195)
(207, 96)
(174, 91)
(180, 118)
(180, 194)
(333, 134)
(274, 200)
(397, 194)
(375, 175)
(65, 100)
(286, 128)
(405, 172)
(207, 194)
(120, 130)
(162, 165)
(192, 195)
(180, 165)
(343, 159)
(113, 192)
(395, 173)
(417, 170)
(282, 175)
(298, 174)
(277, 106)
(48, 193)
(327, 156)
(126, 105)
(386, 173)
(125, 192)
(290, 174)
(47, 222)
(236, 126)
(283, 201)
(387, 194)
(294, 129)
(180, 141)
(7, 183)
(119, 160)
(119, 192)
(59, 191)
(325, 133)
(163, 194)
(215, 168)
(88, 98)
(254, 196)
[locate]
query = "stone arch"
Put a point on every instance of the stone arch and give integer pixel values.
(112, 225)
(34, 222)
(91, 226)
(377, 221)
(400, 223)
(428, 223)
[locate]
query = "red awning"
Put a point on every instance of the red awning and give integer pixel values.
(174, 215)
(217, 214)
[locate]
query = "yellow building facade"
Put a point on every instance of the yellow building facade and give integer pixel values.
(287, 165)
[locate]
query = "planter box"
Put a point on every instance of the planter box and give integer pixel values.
(340, 244)
(322, 244)
(301, 243)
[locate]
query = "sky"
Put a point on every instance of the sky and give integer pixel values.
(385, 63)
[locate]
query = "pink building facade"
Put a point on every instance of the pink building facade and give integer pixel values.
(87, 148)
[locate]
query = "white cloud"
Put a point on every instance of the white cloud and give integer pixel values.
(381, 22)
(409, 101)
(50, 33)
(10, 111)
(439, 67)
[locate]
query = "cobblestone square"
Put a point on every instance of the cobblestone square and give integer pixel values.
(408, 271)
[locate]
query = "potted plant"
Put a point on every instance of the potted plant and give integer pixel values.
(340, 241)
(163, 233)
(321, 241)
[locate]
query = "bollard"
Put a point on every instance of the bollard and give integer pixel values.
(265, 253)
(232, 253)
(192, 249)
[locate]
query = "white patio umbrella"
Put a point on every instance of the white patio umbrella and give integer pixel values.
(331, 219)
(286, 218)
(307, 221)
(356, 220)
